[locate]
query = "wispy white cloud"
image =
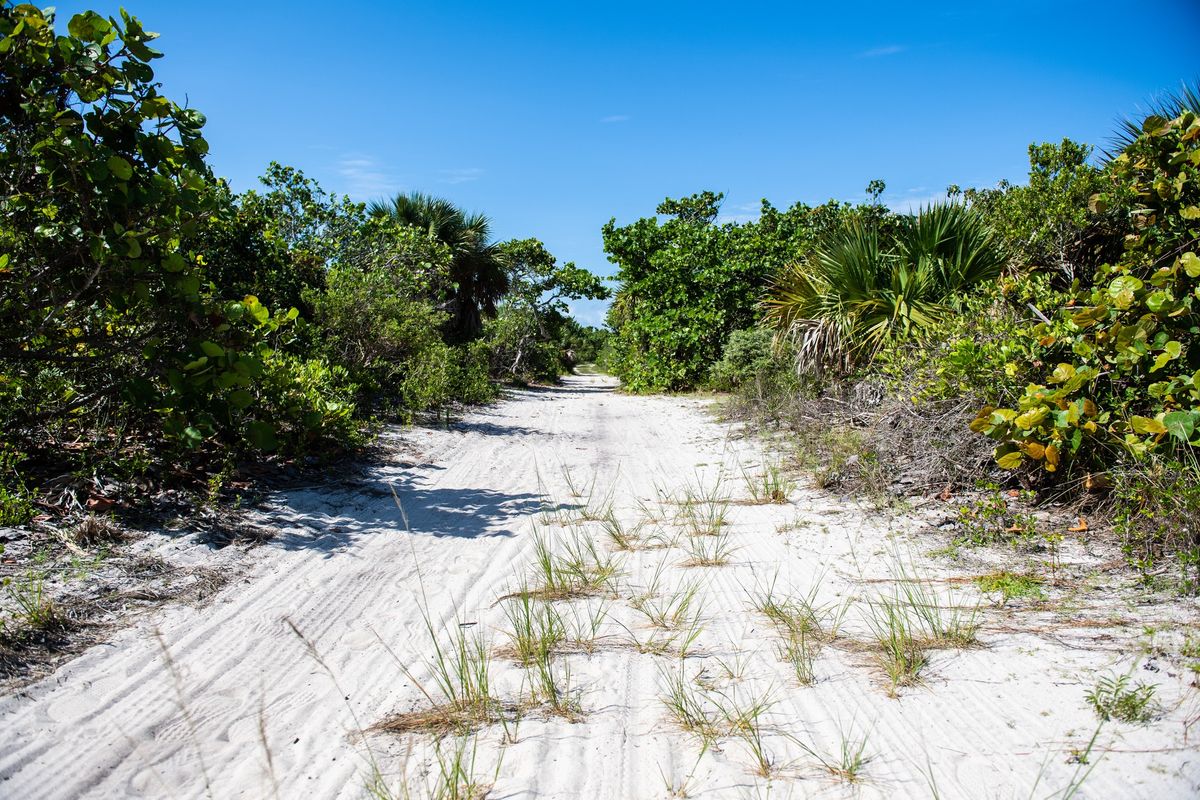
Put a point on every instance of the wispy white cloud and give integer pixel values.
(912, 202)
(463, 175)
(740, 212)
(615, 118)
(879, 52)
(365, 177)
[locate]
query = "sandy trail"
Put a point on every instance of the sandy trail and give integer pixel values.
(998, 720)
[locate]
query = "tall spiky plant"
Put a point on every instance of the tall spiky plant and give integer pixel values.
(477, 267)
(853, 294)
(1167, 106)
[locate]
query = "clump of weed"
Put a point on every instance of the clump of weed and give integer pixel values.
(900, 641)
(1115, 697)
(1011, 585)
(772, 485)
(462, 699)
(535, 627)
(992, 519)
(689, 705)
(708, 551)
(672, 611)
(575, 567)
(31, 609)
(848, 762)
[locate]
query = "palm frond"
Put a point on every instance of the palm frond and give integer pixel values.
(1168, 106)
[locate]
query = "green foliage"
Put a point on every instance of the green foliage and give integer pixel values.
(528, 336)
(1126, 373)
(748, 354)
(111, 177)
(1044, 222)
(1010, 584)
(1156, 504)
(858, 292)
(687, 283)
(992, 519)
(477, 274)
(1118, 698)
(15, 506)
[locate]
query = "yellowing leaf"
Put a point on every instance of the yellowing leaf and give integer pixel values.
(1031, 417)
(1033, 450)
(1190, 264)
(1061, 374)
(1051, 458)
(1146, 425)
(1010, 460)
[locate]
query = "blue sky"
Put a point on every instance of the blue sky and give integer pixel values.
(552, 118)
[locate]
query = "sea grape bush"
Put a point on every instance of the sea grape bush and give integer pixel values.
(150, 315)
(1124, 361)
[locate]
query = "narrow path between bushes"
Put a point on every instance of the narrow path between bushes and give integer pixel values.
(228, 700)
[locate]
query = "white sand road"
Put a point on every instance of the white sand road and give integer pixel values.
(244, 711)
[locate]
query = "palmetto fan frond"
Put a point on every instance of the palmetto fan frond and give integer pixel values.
(477, 267)
(852, 295)
(1168, 106)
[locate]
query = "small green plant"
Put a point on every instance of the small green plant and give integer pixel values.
(535, 627)
(703, 511)
(456, 778)
(772, 485)
(800, 648)
(33, 610)
(575, 568)
(708, 551)
(848, 762)
(744, 719)
(1011, 585)
(622, 537)
(689, 705)
(900, 641)
(942, 621)
(792, 613)
(673, 611)
(991, 519)
(1115, 697)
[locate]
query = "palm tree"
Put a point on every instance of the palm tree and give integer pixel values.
(477, 267)
(852, 295)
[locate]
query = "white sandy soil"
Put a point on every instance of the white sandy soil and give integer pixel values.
(242, 710)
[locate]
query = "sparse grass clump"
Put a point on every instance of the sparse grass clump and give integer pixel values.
(535, 627)
(798, 612)
(675, 610)
(944, 623)
(848, 762)
(575, 567)
(1115, 697)
(708, 551)
(30, 608)
(703, 512)
(622, 537)
(462, 699)
(455, 776)
(772, 485)
(689, 705)
(902, 652)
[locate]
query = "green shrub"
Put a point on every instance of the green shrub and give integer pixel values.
(748, 354)
(862, 288)
(1125, 374)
